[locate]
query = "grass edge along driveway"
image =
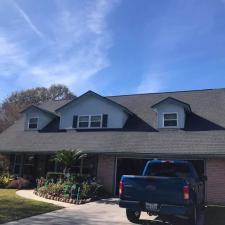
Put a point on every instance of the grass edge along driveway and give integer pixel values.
(14, 207)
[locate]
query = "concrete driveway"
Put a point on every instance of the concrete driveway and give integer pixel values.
(105, 212)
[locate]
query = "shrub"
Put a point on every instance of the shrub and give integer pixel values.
(43, 190)
(90, 190)
(19, 183)
(4, 180)
(79, 178)
(55, 189)
(55, 177)
(41, 182)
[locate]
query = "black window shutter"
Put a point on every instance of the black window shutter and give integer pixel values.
(105, 120)
(75, 121)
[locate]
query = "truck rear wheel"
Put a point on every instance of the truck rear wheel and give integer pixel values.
(133, 216)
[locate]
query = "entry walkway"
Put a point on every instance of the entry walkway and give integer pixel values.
(30, 195)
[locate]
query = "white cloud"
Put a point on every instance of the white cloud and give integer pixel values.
(12, 57)
(151, 83)
(28, 20)
(74, 48)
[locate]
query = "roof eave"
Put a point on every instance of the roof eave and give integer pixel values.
(41, 109)
(185, 105)
(99, 96)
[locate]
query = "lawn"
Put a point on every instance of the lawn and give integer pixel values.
(13, 207)
(215, 215)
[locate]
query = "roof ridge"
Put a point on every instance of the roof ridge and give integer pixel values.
(167, 92)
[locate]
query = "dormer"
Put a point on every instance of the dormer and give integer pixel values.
(92, 111)
(171, 113)
(36, 118)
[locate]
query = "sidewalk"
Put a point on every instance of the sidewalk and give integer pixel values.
(30, 195)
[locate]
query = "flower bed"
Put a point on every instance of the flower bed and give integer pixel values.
(75, 189)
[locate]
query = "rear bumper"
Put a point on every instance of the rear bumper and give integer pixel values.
(164, 209)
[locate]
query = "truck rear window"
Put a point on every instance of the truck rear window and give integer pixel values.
(167, 170)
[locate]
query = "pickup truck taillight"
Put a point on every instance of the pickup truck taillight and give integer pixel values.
(121, 188)
(186, 192)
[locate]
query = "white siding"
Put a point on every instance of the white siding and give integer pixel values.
(92, 105)
(171, 108)
(43, 118)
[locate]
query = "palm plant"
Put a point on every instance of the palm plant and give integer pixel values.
(69, 157)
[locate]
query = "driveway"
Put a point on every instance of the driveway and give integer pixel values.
(96, 213)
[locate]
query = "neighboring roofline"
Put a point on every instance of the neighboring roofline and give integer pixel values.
(174, 99)
(99, 96)
(37, 107)
(167, 92)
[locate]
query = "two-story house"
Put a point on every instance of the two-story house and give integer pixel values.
(120, 133)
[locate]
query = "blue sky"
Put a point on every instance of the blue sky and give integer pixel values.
(112, 47)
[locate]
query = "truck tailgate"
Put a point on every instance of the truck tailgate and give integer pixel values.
(166, 190)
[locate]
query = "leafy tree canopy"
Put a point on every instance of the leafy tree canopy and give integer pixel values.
(19, 100)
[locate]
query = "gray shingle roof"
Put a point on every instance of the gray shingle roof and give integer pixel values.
(208, 105)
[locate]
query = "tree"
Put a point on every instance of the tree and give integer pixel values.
(68, 158)
(19, 100)
(59, 92)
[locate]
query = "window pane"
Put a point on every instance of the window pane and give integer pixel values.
(95, 118)
(29, 159)
(27, 169)
(83, 118)
(96, 121)
(32, 125)
(83, 124)
(171, 116)
(170, 123)
(95, 124)
(83, 121)
(33, 120)
(18, 159)
(17, 169)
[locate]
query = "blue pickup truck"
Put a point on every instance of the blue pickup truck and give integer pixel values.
(166, 188)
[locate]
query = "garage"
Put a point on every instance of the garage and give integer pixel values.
(135, 166)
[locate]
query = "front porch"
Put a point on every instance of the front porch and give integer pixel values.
(32, 166)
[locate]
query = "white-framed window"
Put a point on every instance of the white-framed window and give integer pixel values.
(170, 120)
(33, 123)
(83, 121)
(90, 121)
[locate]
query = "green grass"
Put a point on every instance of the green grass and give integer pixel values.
(13, 207)
(215, 215)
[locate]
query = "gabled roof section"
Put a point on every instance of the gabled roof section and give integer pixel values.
(91, 93)
(186, 106)
(41, 109)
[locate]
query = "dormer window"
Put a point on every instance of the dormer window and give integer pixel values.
(170, 120)
(33, 123)
(91, 121)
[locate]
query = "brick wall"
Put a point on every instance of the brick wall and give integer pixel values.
(215, 170)
(106, 172)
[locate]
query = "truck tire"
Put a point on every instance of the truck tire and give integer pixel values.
(194, 217)
(133, 216)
